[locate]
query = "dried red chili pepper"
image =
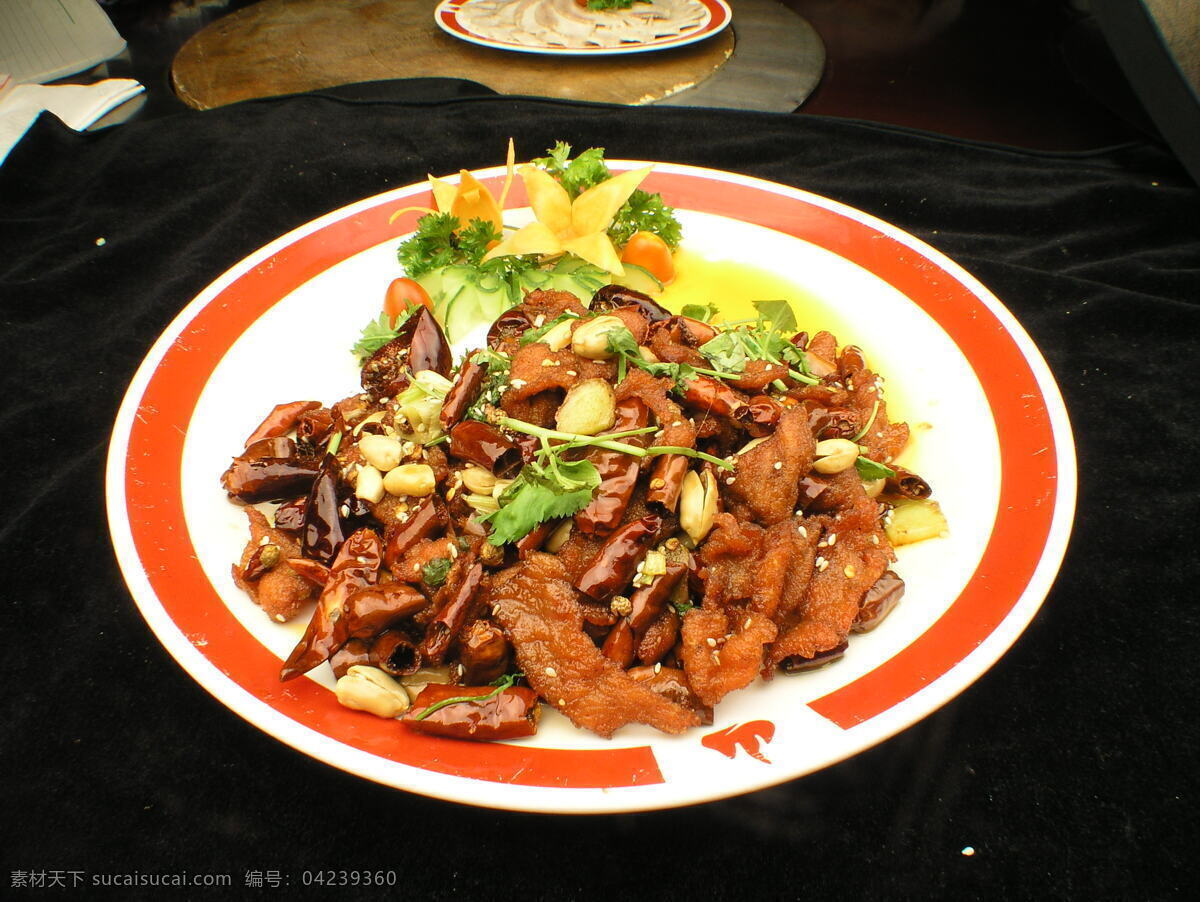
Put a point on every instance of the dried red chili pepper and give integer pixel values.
(484, 713)
(454, 600)
(280, 420)
(462, 394)
(419, 345)
(322, 535)
(484, 444)
(666, 480)
(483, 652)
(372, 609)
(353, 653)
(618, 474)
(649, 601)
(395, 653)
(289, 516)
(620, 644)
(427, 519)
(315, 426)
(907, 484)
(610, 297)
(712, 395)
(760, 415)
(878, 602)
(613, 567)
(508, 326)
(356, 565)
(270, 469)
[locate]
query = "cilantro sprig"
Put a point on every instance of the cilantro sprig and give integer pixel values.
(379, 332)
(761, 339)
(541, 492)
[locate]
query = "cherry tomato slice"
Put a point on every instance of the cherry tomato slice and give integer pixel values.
(402, 294)
(647, 250)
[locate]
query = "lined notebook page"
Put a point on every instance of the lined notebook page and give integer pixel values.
(41, 40)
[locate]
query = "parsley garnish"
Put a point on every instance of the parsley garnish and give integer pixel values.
(645, 212)
(433, 574)
(575, 175)
(441, 241)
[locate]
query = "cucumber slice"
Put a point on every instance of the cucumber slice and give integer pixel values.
(639, 279)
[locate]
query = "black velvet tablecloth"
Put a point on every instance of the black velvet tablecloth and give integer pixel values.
(1069, 768)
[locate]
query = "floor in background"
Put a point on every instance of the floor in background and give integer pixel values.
(1033, 73)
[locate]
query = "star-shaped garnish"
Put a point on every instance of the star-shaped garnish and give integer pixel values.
(577, 227)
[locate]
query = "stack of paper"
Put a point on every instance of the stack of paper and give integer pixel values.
(41, 40)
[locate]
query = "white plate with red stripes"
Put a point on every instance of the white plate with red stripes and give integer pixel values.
(993, 438)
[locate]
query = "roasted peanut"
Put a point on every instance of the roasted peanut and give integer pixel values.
(557, 539)
(589, 408)
(416, 480)
(478, 480)
(835, 455)
(369, 484)
(559, 336)
(698, 504)
(369, 689)
(590, 338)
(381, 451)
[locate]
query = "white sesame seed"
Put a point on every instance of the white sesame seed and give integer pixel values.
(562, 702)
(874, 540)
(779, 465)
(803, 531)
(518, 383)
(849, 571)
(712, 643)
(572, 373)
(731, 480)
(746, 625)
(819, 560)
(832, 538)
(551, 672)
(658, 667)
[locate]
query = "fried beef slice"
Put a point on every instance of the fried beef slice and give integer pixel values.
(723, 650)
(856, 553)
(539, 610)
(766, 484)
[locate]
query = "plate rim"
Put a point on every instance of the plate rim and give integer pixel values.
(234, 696)
(445, 15)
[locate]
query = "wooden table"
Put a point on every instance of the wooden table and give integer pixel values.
(287, 46)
